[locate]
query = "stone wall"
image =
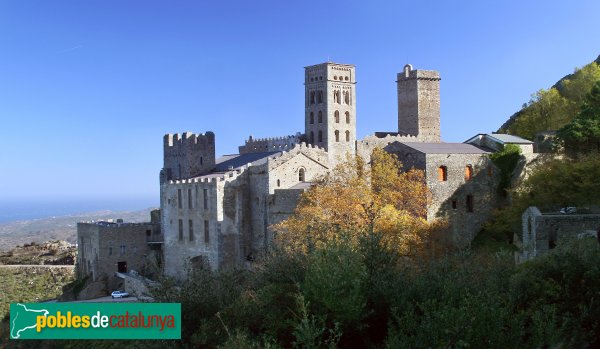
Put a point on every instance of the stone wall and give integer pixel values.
(253, 145)
(542, 232)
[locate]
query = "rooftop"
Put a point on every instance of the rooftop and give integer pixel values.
(235, 161)
(503, 138)
(445, 148)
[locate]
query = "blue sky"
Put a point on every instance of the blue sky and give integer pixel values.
(88, 88)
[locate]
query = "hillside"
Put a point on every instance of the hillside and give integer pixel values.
(553, 108)
(64, 228)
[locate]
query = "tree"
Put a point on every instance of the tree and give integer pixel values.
(582, 134)
(357, 200)
(546, 110)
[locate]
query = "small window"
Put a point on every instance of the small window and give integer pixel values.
(312, 118)
(442, 173)
(320, 136)
(312, 97)
(278, 183)
(191, 229)
(301, 175)
(337, 117)
(179, 201)
(148, 232)
(206, 233)
(312, 137)
(454, 204)
(347, 97)
(205, 198)
(201, 160)
(347, 117)
(320, 96)
(320, 117)
(468, 172)
(469, 203)
(551, 244)
(110, 251)
(122, 249)
(347, 136)
(189, 198)
(181, 230)
(337, 135)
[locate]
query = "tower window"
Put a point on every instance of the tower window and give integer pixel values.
(191, 229)
(179, 201)
(189, 195)
(312, 97)
(301, 175)
(468, 172)
(206, 233)
(312, 118)
(320, 96)
(442, 173)
(469, 203)
(347, 97)
(347, 117)
(278, 183)
(337, 135)
(320, 116)
(181, 230)
(320, 136)
(347, 136)
(312, 137)
(201, 160)
(337, 117)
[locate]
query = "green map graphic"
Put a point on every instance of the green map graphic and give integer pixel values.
(24, 319)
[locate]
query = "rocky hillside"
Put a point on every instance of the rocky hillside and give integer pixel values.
(51, 252)
(551, 109)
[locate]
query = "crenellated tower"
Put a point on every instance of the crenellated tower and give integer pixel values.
(419, 103)
(187, 155)
(330, 108)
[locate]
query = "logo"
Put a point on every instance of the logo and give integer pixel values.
(95, 321)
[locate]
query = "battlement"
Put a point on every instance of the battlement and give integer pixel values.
(317, 153)
(187, 155)
(260, 145)
(213, 178)
(409, 73)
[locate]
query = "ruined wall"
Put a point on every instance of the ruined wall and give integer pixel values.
(543, 232)
(253, 145)
(187, 155)
(419, 103)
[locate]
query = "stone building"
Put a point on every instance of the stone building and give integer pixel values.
(106, 247)
(217, 211)
(542, 232)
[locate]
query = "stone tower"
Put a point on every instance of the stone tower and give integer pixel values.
(330, 110)
(419, 103)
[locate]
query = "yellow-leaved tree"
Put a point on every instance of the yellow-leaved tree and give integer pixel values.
(357, 200)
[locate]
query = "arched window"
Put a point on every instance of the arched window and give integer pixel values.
(312, 137)
(337, 117)
(312, 97)
(347, 97)
(468, 172)
(442, 173)
(312, 118)
(320, 117)
(278, 183)
(301, 175)
(320, 136)
(347, 117)
(347, 136)
(319, 96)
(337, 135)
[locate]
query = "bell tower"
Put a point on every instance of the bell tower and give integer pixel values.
(330, 108)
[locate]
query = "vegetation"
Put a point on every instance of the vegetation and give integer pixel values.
(556, 107)
(506, 160)
(582, 134)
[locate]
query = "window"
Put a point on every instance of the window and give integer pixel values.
(337, 135)
(442, 173)
(312, 137)
(301, 175)
(347, 136)
(347, 97)
(206, 232)
(201, 160)
(337, 117)
(205, 198)
(312, 118)
(347, 117)
(148, 232)
(469, 203)
(312, 97)
(109, 251)
(179, 204)
(122, 249)
(278, 183)
(320, 136)
(190, 198)
(181, 230)
(468, 173)
(320, 117)
(319, 96)
(454, 204)
(191, 229)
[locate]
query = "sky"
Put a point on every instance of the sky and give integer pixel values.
(89, 88)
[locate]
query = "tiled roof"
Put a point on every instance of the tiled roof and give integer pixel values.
(444, 148)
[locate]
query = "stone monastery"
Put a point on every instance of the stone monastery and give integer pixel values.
(217, 211)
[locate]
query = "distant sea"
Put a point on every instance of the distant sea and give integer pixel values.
(26, 210)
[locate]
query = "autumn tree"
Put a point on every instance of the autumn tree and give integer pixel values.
(357, 200)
